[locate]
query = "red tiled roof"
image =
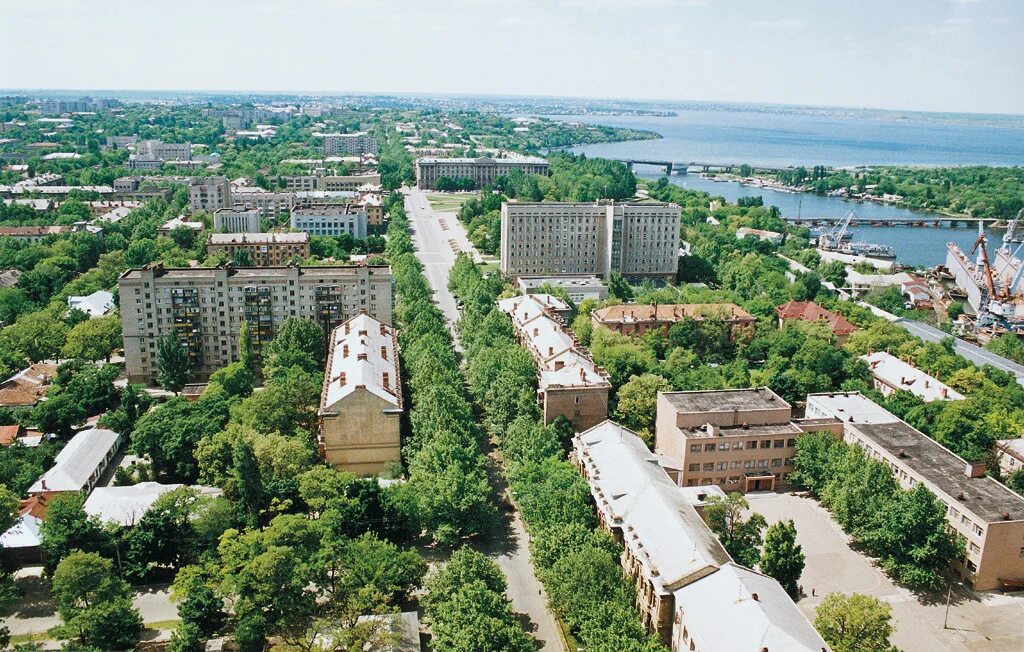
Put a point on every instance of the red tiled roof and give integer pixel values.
(810, 311)
(36, 506)
(8, 434)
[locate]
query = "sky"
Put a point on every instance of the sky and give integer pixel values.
(932, 55)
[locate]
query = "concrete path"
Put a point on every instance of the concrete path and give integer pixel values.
(438, 238)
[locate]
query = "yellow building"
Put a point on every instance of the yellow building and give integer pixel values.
(361, 404)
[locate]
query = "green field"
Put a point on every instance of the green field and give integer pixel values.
(448, 203)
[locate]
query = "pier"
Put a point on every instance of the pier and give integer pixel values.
(935, 221)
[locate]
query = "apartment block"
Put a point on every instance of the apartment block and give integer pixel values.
(164, 151)
(569, 384)
(737, 439)
(237, 220)
(270, 205)
(261, 249)
(330, 219)
(982, 512)
(482, 171)
(637, 319)
(355, 144)
(689, 591)
(361, 403)
(890, 374)
(553, 238)
(209, 194)
(205, 308)
(330, 183)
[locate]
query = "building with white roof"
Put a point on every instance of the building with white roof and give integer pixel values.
(179, 222)
(96, 304)
(768, 236)
(361, 401)
(569, 384)
(20, 544)
(80, 463)
(892, 374)
(689, 590)
(128, 504)
(579, 287)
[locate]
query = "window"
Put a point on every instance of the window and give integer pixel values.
(748, 464)
(735, 465)
(695, 448)
(751, 445)
(737, 445)
(710, 466)
(777, 461)
(709, 448)
(766, 443)
(722, 466)
(779, 443)
(693, 467)
(723, 446)
(790, 443)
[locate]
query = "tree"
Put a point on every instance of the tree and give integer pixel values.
(9, 594)
(59, 415)
(1015, 481)
(299, 337)
(741, 537)
(68, 527)
(782, 557)
(245, 350)
(854, 623)
(94, 339)
(248, 482)
(173, 364)
(637, 403)
(94, 605)
(619, 288)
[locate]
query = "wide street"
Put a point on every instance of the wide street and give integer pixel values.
(438, 238)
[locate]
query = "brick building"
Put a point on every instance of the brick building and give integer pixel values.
(637, 319)
(262, 249)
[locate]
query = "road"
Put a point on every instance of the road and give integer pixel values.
(972, 352)
(438, 238)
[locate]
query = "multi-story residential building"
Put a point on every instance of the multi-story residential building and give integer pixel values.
(330, 183)
(552, 238)
(808, 311)
(361, 402)
(738, 439)
(271, 205)
(237, 220)
(569, 384)
(637, 319)
(261, 249)
(330, 219)
(205, 307)
(986, 515)
(579, 287)
(164, 151)
(689, 591)
(891, 374)
(356, 143)
(209, 194)
(482, 171)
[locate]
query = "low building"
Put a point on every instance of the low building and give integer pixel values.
(27, 387)
(808, 311)
(916, 292)
(569, 384)
(482, 171)
(1010, 455)
(361, 403)
(126, 505)
(235, 220)
(637, 319)
(21, 544)
(689, 590)
(96, 304)
(330, 219)
(737, 439)
(766, 236)
(892, 374)
(260, 249)
(8, 434)
(179, 223)
(79, 464)
(985, 515)
(579, 287)
(32, 234)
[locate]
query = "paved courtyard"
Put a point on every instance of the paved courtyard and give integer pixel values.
(989, 621)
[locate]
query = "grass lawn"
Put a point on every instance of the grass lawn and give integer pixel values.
(446, 202)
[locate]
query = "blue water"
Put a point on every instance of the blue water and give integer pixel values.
(837, 137)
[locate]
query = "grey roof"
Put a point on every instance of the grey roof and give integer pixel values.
(940, 467)
(258, 238)
(725, 400)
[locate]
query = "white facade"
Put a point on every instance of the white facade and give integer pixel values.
(359, 142)
(330, 219)
(234, 220)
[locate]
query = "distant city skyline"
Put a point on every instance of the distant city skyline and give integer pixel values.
(925, 55)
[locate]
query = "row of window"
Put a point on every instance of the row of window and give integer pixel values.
(743, 445)
(736, 464)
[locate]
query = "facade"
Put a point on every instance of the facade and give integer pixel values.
(270, 205)
(330, 219)
(555, 238)
(209, 194)
(32, 234)
(1010, 455)
(79, 464)
(689, 590)
(346, 183)
(808, 311)
(164, 151)
(569, 384)
(636, 319)
(235, 220)
(205, 308)
(356, 143)
(579, 287)
(891, 374)
(737, 439)
(361, 403)
(263, 249)
(982, 512)
(179, 223)
(482, 171)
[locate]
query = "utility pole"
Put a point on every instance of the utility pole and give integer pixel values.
(949, 594)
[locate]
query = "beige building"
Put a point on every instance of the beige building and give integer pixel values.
(234, 220)
(890, 374)
(361, 404)
(985, 515)
(268, 204)
(330, 219)
(637, 319)
(209, 194)
(262, 249)
(205, 307)
(359, 142)
(569, 384)
(1010, 455)
(738, 439)
(689, 591)
(555, 238)
(482, 171)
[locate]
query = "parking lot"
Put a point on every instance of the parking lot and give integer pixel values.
(989, 621)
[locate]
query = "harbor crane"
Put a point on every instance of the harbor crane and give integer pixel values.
(995, 304)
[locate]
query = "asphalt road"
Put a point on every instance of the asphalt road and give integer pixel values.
(438, 238)
(972, 352)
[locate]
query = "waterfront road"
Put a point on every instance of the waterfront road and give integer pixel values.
(438, 238)
(972, 352)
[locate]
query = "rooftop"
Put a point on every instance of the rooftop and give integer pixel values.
(851, 407)
(363, 355)
(726, 400)
(126, 505)
(584, 281)
(810, 311)
(902, 375)
(77, 461)
(483, 160)
(96, 304)
(633, 313)
(1014, 447)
